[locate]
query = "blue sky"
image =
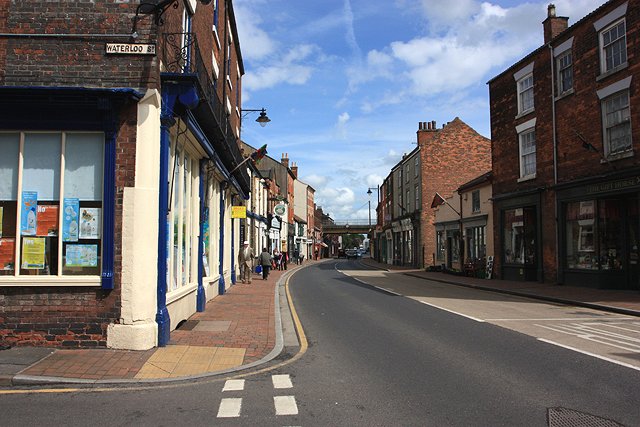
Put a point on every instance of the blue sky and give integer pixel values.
(345, 82)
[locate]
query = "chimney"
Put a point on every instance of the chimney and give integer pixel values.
(294, 169)
(553, 25)
(285, 160)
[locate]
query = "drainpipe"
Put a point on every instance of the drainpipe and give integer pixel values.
(555, 158)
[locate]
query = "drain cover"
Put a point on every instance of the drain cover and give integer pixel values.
(563, 417)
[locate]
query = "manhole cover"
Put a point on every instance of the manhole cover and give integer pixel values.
(563, 417)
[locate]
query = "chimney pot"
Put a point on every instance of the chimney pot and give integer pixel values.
(433, 124)
(551, 10)
(419, 125)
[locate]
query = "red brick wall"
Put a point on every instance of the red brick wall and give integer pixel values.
(70, 316)
(449, 157)
(579, 112)
(68, 61)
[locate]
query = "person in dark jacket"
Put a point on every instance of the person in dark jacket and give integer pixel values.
(265, 261)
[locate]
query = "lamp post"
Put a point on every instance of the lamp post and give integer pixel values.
(262, 119)
(369, 192)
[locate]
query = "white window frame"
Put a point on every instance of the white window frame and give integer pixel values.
(605, 95)
(602, 26)
(522, 76)
(59, 279)
(524, 130)
(622, 55)
(562, 66)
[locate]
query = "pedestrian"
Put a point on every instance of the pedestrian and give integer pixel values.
(277, 258)
(316, 254)
(296, 256)
(245, 259)
(285, 259)
(265, 261)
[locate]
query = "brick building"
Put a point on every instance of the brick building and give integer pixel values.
(449, 157)
(119, 127)
(566, 179)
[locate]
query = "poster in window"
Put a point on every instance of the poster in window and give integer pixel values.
(33, 253)
(1, 216)
(71, 207)
(90, 223)
(7, 249)
(81, 256)
(28, 217)
(47, 220)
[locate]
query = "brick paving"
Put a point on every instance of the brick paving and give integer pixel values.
(235, 329)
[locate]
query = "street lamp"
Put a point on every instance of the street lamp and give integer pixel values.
(369, 192)
(263, 119)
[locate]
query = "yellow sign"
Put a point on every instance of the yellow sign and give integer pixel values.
(33, 252)
(238, 211)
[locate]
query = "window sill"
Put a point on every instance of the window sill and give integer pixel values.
(527, 178)
(564, 94)
(525, 113)
(30, 281)
(617, 156)
(181, 292)
(606, 74)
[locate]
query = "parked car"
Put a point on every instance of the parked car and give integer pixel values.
(341, 253)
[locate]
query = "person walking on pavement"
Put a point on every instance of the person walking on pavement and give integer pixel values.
(245, 259)
(265, 262)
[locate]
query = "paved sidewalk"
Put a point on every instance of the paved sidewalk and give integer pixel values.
(237, 330)
(618, 301)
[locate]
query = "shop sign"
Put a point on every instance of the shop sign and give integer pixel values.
(275, 222)
(238, 211)
(131, 48)
(396, 226)
(280, 209)
(406, 224)
(614, 185)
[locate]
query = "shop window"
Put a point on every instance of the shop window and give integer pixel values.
(41, 232)
(610, 234)
(476, 242)
(520, 236)
(580, 229)
(439, 246)
(183, 215)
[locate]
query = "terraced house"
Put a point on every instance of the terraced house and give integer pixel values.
(119, 129)
(565, 141)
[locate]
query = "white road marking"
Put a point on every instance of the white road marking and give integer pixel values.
(281, 381)
(590, 332)
(534, 319)
(230, 408)
(285, 405)
(590, 354)
(454, 312)
(233, 385)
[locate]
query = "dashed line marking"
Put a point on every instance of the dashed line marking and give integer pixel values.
(233, 385)
(281, 381)
(285, 405)
(230, 408)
